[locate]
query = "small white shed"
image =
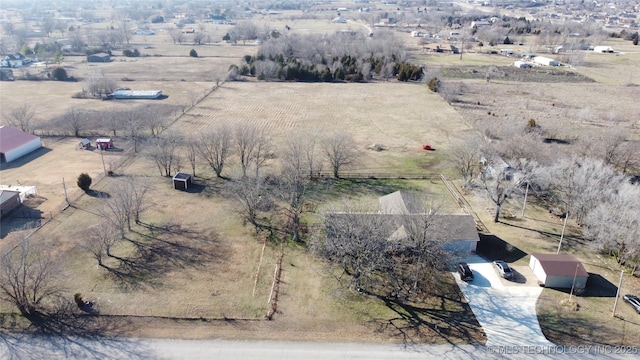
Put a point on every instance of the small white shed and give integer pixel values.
(522, 64)
(603, 49)
(541, 60)
(558, 271)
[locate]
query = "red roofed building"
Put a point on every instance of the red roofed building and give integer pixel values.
(15, 143)
(558, 271)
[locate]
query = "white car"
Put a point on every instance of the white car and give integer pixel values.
(503, 269)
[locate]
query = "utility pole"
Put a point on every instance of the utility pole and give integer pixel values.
(615, 303)
(574, 282)
(66, 198)
(564, 226)
(102, 157)
(524, 205)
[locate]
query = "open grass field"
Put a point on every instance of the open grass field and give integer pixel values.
(400, 123)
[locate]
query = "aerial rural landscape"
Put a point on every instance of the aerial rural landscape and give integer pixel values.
(460, 173)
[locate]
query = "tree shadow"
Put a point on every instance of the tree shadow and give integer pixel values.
(597, 286)
(159, 250)
(25, 159)
(195, 189)
(492, 247)
(415, 324)
(98, 194)
(570, 239)
(69, 334)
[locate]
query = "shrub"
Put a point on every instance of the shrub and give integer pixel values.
(193, 53)
(434, 84)
(59, 74)
(79, 301)
(131, 53)
(84, 181)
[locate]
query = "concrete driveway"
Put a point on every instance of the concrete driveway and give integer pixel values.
(505, 310)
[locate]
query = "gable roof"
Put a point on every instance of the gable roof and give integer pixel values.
(397, 227)
(561, 265)
(12, 138)
(400, 202)
(6, 195)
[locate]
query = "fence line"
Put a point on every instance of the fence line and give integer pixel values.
(463, 203)
(380, 175)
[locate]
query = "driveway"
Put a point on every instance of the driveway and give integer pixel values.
(505, 310)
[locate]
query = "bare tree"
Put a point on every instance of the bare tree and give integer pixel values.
(191, 146)
(294, 182)
(126, 203)
(262, 151)
(162, 150)
(246, 138)
(101, 238)
(98, 84)
(608, 145)
(254, 199)
(177, 36)
(341, 152)
(132, 120)
(198, 38)
(613, 224)
(113, 121)
(76, 119)
(466, 155)
(28, 278)
(155, 116)
(244, 30)
(501, 180)
(253, 147)
(22, 117)
(215, 147)
(393, 255)
(578, 184)
(309, 141)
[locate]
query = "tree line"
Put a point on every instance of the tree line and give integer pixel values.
(351, 57)
(591, 185)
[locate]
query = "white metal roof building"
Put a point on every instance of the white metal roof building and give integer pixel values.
(137, 94)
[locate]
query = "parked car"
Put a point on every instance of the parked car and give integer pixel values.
(634, 301)
(465, 272)
(503, 269)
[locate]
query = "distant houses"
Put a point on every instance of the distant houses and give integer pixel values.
(15, 61)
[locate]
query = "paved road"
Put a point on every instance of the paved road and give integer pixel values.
(32, 347)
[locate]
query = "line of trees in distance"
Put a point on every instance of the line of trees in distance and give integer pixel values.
(343, 56)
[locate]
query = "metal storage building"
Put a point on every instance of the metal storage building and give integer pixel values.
(558, 271)
(15, 143)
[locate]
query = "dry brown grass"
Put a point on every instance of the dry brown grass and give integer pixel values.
(401, 123)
